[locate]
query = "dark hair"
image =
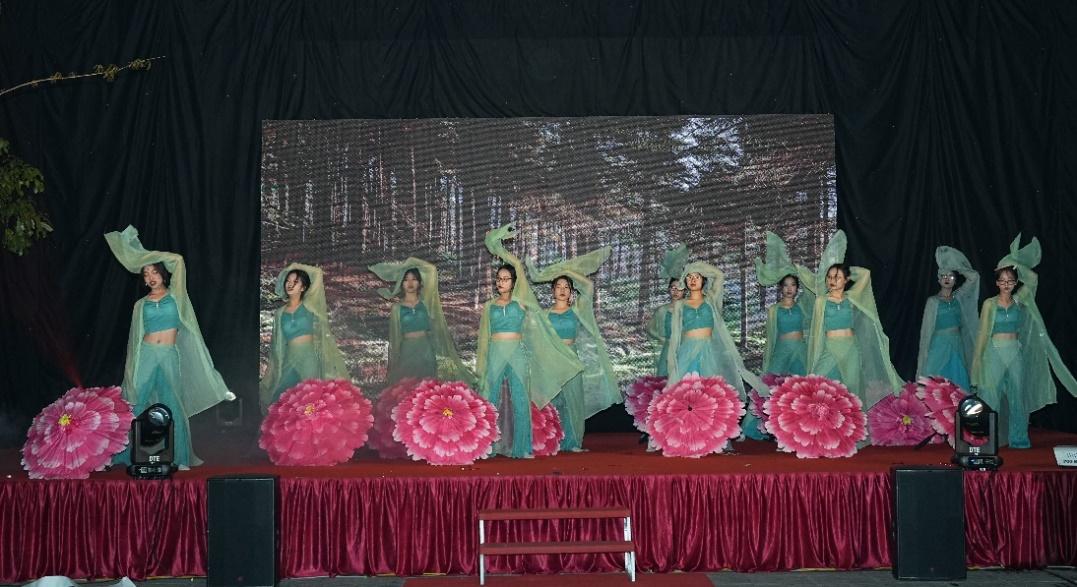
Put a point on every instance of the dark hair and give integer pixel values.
(415, 272)
(302, 277)
(675, 281)
(568, 279)
(844, 271)
(796, 280)
(162, 271)
(510, 269)
(1012, 271)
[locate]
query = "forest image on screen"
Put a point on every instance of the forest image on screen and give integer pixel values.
(347, 194)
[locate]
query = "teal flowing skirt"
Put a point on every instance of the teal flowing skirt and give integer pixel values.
(945, 358)
(506, 370)
(790, 357)
(570, 407)
(840, 361)
(661, 368)
(158, 381)
(417, 360)
(1001, 389)
(299, 364)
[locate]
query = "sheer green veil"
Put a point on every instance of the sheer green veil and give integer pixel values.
(671, 267)
(951, 260)
(770, 270)
(1039, 354)
(730, 365)
(449, 365)
(600, 388)
(203, 386)
(330, 359)
(552, 363)
(878, 376)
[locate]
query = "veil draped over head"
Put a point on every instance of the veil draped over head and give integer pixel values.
(449, 365)
(330, 359)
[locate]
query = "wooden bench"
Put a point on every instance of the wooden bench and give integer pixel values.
(625, 546)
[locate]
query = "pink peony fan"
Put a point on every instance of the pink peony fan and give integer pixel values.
(813, 417)
(638, 396)
(319, 422)
(546, 431)
(446, 423)
(695, 417)
(77, 434)
(381, 435)
(900, 420)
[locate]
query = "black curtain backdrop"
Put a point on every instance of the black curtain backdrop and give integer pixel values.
(953, 126)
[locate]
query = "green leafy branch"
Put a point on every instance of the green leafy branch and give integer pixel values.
(23, 223)
(19, 181)
(106, 72)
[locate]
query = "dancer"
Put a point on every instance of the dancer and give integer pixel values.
(519, 349)
(846, 342)
(164, 336)
(661, 324)
(1014, 355)
(419, 342)
(595, 388)
(788, 320)
(302, 347)
(948, 331)
(700, 341)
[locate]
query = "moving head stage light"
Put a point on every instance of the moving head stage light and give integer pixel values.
(975, 437)
(152, 440)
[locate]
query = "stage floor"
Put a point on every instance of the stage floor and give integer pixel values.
(608, 454)
(755, 510)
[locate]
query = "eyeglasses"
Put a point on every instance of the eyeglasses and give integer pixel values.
(1006, 282)
(503, 279)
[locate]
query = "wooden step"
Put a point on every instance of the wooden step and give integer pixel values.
(500, 548)
(550, 514)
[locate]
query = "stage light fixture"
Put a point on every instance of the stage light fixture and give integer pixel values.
(152, 440)
(975, 435)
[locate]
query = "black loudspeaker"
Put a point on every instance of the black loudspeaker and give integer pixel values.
(242, 528)
(928, 536)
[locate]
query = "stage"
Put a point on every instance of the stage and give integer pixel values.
(756, 510)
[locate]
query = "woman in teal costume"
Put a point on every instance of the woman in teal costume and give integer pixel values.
(846, 342)
(302, 347)
(1014, 355)
(518, 351)
(700, 341)
(164, 337)
(420, 345)
(594, 389)
(948, 331)
(660, 326)
(789, 320)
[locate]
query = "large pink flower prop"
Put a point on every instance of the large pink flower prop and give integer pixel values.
(546, 431)
(319, 422)
(940, 396)
(813, 417)
(381, 435)
(77, 434)
(638, 396)
(695, 417)
(899, 420)
(446, 424)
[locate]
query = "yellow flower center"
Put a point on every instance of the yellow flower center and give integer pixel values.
(309, 410)
(65, 420)
(446, 412)
(905, 420)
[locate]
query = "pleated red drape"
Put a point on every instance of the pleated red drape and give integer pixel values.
(410, 526)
